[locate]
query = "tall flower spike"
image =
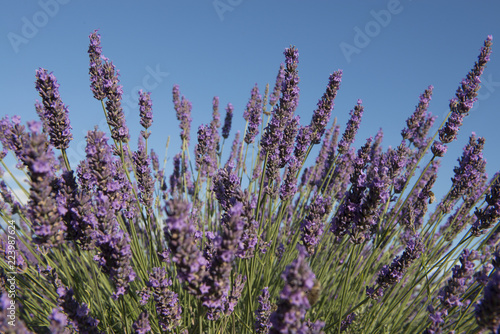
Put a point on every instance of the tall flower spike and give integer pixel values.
(488, 308)
(293, 303)
(277, 87)
(144, 179)
(252, 114)
(490, 215)
(183, 111)
(351, 129)
(114, 92)
(322, 114)
(417, 119)
(145, 112)
(263, 313)
(55, 113)
(227, 121)
(96, 71)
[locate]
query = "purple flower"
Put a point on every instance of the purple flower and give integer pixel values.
(227, 121)
(180, 179)
(38, 157)
(289, 186)
(166, 301)
(205, 151)
(58, 322)
(252, 114)
(77, 313)
(144, 179)
(215, 112)
(302, 143)
(278, 86)
(114, 92)
(180, 236)
(488, 309)
(456, 286)
(183, 111)
(438, 149)
(221, 265)
(141, 325)
(293, 303)
(322, 114)
(145, 112)
(54, 113)
(390, 275)
(351, 129)
(96, 70)
(263, 313)
(490, 215)
(312, 226)
(417, 119)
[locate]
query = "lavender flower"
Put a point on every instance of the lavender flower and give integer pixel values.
(114, 92)
(221, 265)
(289, 186)
(252, 114)
(451, 294)
(58, 322)
(390, 275)
(302, 143)
(351, 129)
(438, 149)
(215, 112)
(115, 255)
(55, 113)
(96, 70)
(78, 314)
(145, 112)
(166, 301)
(263, 313)
(6, 318)
(144, 179)
(234, 296)
(293, 303)
(180, 179)
(312, 226)
(322, 114)
(186, 255)
(488, 308)
(417, 119)
(42, 208)
(183, 110)
(205, 150)
(141, 325)
(278, 86)
(488, 216)
(227, 121)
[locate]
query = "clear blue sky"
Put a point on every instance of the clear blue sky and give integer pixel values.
(222, 48)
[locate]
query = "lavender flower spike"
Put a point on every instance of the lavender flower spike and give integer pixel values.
(96, 71)
(114, 92)
(227, 121)
(146, 114)
(293, 303)
(263, 313)
(183, 111)
(277, 87)
(488, 308)
(321, 115)
(351, 129)
(55, 113)
(252, 114)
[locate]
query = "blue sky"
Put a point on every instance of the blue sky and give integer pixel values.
(390, 51)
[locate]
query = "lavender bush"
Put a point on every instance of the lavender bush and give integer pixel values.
(248, 237)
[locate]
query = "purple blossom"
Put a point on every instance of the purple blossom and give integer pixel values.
(144, 179)
(302, 143)
(489, 215)
(188, 258)
(293, 303)
(390, 275)
(227, 121)
(205, 150)
(289, 186)
(183, 111)
(488, 308)
(252, 114)
(114, 92)
(180, 179)
(166, 301)
(321, 115)
(417, 119)
(141, 325)
(54, 113)
(263, 313)
(278, 86)
(145, 112)
(456, 286)
(221, 265)
(215, 112)
(96, 69)
(312, 226)
(438, 149)
(58, 322)
(351, 129)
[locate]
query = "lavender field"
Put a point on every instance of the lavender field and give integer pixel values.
(283, 226)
